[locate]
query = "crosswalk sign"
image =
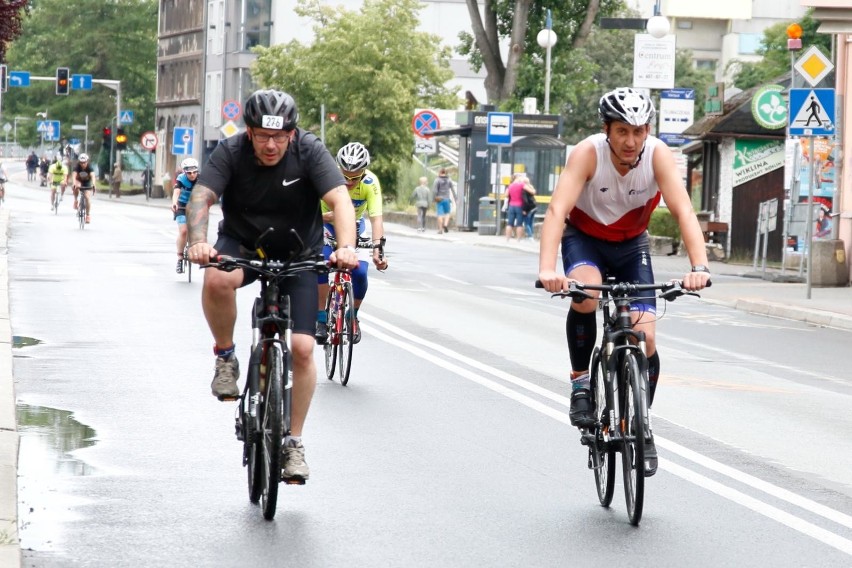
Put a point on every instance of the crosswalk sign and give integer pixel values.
(812, 112)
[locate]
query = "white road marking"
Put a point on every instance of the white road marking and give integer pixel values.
(844, 545)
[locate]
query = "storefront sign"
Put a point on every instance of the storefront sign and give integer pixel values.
(754, 158)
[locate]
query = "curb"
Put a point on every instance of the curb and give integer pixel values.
(10, 546)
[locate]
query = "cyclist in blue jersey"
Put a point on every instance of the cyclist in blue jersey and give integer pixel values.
(366, 194)
(180, 197)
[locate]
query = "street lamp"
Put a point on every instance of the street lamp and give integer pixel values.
(547, 38)
(658, 25)
(41, 132)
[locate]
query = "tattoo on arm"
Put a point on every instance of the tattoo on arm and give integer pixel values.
(198, 213)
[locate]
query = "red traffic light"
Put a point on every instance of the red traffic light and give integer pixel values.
(63, 87)
(107, 131)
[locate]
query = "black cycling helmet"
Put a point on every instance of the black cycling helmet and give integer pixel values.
(626, 105)
(271, 109)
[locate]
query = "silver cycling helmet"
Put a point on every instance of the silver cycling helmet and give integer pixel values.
(627, 105)
(353, 157)
(83, 157)
(189, 165)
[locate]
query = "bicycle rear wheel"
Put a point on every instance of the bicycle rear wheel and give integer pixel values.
(633, 455)
(347, 334)
(272, 430)
(601, 453)
(332, 335)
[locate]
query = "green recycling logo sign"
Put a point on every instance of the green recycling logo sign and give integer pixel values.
(769, 108)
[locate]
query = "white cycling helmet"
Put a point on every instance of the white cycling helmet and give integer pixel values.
(627, 105)
(83, 157)
(353, 157)
(189, 165)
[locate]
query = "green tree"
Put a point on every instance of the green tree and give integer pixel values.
(520, 21)
(372, 69)
(108, 39)
(776, 56)
(11, 13)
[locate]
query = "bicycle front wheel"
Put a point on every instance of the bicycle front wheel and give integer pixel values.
(332, 336)
(633, 455)
(272, 430)
(81, 212)
(601, 453)
(347, 335)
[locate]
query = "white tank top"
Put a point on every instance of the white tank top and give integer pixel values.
(613, 207)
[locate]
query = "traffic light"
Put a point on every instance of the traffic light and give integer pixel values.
(120, 139)
(4, 84)
(63, 86)
(108, 138)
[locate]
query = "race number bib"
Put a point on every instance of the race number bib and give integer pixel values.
(272, 122)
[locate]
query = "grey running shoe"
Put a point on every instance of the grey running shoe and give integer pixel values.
(650, 457)
(224, 383)
(295, 468)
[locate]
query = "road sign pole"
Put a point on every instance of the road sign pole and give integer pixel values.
(810, 229)
(497, 192)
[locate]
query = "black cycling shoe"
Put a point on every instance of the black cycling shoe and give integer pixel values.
(650, 457)
(581, 409)
(321, 334)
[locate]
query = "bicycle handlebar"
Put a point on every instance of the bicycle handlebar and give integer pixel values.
(669, 291)
(269, 267)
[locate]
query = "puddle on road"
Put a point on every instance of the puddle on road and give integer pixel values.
(19, 341)
(48, 436)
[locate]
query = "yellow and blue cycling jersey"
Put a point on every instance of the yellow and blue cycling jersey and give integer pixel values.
(366, 197)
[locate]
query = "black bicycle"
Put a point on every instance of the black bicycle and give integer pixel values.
(620, 389)
(263, 413)
(82, 209)
(186, 264)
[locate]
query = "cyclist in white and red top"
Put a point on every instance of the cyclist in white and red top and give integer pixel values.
(599, 213)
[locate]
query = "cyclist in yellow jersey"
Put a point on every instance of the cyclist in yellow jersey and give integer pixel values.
(57, 172)
(366, 194)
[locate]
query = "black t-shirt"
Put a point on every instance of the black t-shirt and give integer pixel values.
(84, 175)
(284, 196)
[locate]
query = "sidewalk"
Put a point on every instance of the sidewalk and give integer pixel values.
(733, 285)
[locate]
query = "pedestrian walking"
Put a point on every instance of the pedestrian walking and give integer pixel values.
(421, 197)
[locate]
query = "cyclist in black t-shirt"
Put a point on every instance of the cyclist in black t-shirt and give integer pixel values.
(273, 175)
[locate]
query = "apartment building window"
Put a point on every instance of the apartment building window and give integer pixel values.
(213, 99)
(684, 24)
(708, 64)
(750, 43)
(215, 27)
(257, 20)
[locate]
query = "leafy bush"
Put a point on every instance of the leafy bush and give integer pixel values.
(663, 224)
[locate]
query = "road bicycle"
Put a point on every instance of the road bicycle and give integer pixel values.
(263, 413)
(56, 188)
(187, 266)
(340, 315)
(82, 209)
(620, 389)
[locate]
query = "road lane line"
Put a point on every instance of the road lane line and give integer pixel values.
(783, 517)
(756, 483)
(699, 459)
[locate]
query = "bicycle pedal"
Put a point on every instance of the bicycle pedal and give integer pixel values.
(293, 480)
(228, 398)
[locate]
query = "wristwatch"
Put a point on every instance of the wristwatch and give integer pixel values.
(700, 268)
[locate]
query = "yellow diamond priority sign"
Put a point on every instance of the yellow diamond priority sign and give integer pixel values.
(814, 66)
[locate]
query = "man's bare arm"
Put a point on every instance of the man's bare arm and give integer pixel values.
(198, 213)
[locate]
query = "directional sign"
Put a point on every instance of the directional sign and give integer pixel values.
(424, 122)
(231, 110)
(149, 140)
(81, 82)
(812, 112)
(19, 78)
(126, 117)
(677, 108)
(499, 129)
(182, 141)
